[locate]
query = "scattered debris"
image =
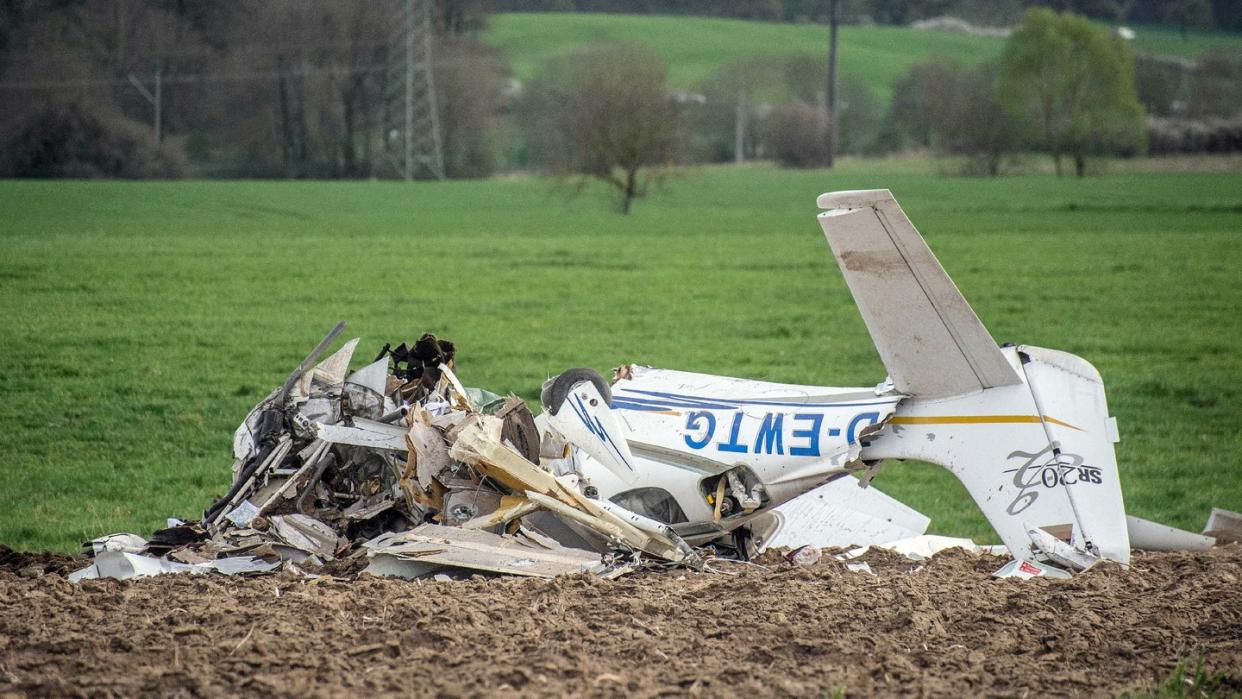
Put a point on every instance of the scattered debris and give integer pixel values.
(1025, 570)
(804, 556)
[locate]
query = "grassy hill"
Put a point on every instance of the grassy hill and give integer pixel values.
(139, 321)
(697, 47)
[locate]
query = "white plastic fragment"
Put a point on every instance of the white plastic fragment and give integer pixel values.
(1025, 570)
(804, 556)
(917, 548)
(126, 543)
(1061, 552)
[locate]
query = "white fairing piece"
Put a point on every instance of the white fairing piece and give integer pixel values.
(585, 420)
(841, 513)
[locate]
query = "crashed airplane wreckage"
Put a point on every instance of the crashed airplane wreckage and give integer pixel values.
(400, 463)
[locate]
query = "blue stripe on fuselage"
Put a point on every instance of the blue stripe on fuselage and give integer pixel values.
(680, 400)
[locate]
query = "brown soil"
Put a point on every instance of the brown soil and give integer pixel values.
(947, 628)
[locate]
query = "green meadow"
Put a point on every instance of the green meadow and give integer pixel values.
(139, 321)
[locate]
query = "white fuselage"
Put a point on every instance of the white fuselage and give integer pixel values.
(686, 428)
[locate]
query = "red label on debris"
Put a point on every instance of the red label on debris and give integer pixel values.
(1029, 569)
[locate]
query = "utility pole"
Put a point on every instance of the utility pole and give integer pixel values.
(159, 98)
(410, 62)
(422, 153)
(739, 128)
(832, 80)
(156, 100)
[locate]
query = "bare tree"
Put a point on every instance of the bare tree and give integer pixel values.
(606, 113)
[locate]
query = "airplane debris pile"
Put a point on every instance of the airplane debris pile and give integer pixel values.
(399, 463)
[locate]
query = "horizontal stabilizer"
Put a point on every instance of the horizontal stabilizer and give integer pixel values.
(1146, 535)
(930, 340)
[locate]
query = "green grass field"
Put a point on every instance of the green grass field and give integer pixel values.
(696, 47)
(142, 320)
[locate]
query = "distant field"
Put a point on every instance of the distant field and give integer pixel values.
(697, 47)
(140, 321)
(1152, 39)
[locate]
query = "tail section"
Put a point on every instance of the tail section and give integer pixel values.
(1037, 457)
(1025, 429)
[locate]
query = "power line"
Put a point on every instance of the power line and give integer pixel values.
(196, 78)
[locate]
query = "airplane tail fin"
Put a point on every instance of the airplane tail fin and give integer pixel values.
(929, 338)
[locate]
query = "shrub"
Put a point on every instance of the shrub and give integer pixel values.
(70, 139)
(1169, 136)
(798, 134)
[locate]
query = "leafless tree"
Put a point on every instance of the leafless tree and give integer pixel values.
(606, 113)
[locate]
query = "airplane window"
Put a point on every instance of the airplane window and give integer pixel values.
(655, 503)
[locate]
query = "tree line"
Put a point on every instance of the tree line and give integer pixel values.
(246, 88)
(313, 89)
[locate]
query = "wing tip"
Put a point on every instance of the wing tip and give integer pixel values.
(853, 199)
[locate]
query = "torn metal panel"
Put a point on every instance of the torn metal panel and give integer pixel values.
(510, 507)
(373, 377)
(479, 445)
(306, 534)
(370, 434)
(608, 529)
(120, 565)
(1060, 552)
(578, 409)
(384, 565)
(1224, 526)
(328, 373)
(479, 550)
(426, 447)
(461, 399)
(363, 510)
